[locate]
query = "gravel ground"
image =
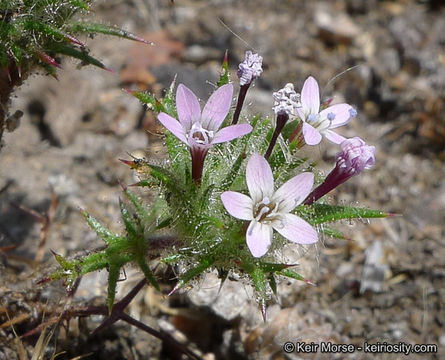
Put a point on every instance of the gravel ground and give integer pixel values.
(385, 284)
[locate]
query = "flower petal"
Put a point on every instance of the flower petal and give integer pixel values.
(311, 135)
(259, 238)
(217, 108)
(231, 132)
(296, 229)
(187, 106)
(341, 113)
(293, 192)
(301, 113)
(238, 205)
(173, 125)
(310, 96)
(259, 178)
(334, 137)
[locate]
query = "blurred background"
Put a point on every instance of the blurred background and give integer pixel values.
(385, 283)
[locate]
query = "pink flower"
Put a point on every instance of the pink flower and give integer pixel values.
(199, 130)
(268, 209)
(354, 157)
(317, 123)
(250, 68)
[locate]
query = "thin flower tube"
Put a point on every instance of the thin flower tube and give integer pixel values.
(268, 209)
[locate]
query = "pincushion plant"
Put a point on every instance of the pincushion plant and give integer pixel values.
(217, 205)
(35, 33)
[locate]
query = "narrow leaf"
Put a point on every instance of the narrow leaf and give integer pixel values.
(224, 74)
(78, 54)
(321, 213)
(205, 263)
(147, 272)
(105, 234)
(107, 30)
(113, 277)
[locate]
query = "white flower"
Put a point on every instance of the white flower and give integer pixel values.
(268, 209)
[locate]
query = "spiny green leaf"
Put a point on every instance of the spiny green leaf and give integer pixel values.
(93, 262)
(273, 284)
(332, 232)
(75, 53)
(148, 99)
(94, 28)
(321, 213)
(294, 275)
(260, 283)
(113, 277)
(147, 272)
(224, 74)
(128, 220)
(270, 268)
(147, 218)
(48, 30)
(204, 263)
(105, 234)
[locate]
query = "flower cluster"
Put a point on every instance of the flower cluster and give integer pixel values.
(267, 209)
(229, 197)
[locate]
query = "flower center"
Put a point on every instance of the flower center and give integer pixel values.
(319, 124)
(265, 210)
(200, 135)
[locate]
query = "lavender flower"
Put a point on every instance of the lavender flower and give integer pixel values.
(268, 209)
(200, 131)
(317, 123)
(250, 68)
(354, 157)
(248, 71)
(286, 101)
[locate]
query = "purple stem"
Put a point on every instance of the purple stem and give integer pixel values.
(281, 121)
(335, 178)
(239, 105)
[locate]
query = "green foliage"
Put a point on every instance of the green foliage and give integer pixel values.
(132, 247)
(35, 32)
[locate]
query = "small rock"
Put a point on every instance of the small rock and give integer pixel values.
(199, 54)
(375, 269)
(336, 28)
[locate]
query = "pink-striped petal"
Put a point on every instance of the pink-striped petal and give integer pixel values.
(238, 205)
(311, 135)
(341, 114)
(334, 137)
(259, 238)
(217, 108)
(173, 125)
(259, 178)
(231, 132)
(296, 229)
(310, 96)
(187, 106)
(293, 192)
